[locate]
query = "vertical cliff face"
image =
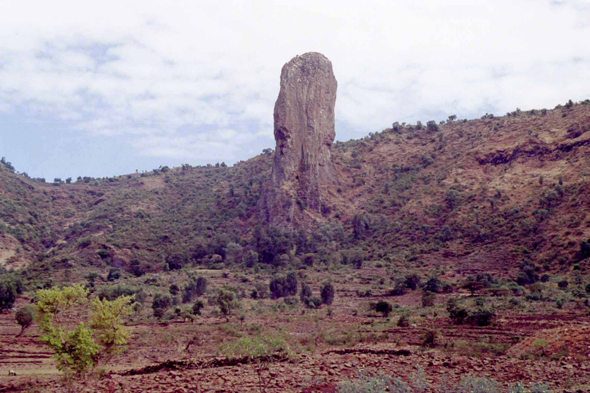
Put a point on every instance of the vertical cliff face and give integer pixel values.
(304, 132)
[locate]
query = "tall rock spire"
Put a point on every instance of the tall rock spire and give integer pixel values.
(304, 132)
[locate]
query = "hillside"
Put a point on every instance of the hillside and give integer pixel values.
(479, 195)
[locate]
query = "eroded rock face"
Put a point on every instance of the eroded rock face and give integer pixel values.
(304, 132)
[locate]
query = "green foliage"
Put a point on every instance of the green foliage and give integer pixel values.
(283, 286)
(428, 299)
(306, 293)
(160, 304)
(175, 261)
(460, 314)
(197, 308)
(24, 317)
(114, 274)
(227, 300)
(194, 288)
(80, 350)
(8, 293)
(382, 307)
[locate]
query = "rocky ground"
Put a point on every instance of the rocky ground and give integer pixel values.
(394, 351)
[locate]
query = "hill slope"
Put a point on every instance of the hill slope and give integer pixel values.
(479, 195)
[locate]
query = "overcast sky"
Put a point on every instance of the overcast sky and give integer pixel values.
(101, 88)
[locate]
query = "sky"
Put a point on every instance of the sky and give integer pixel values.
(107, 88)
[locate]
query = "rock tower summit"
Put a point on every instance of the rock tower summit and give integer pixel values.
(304, 133)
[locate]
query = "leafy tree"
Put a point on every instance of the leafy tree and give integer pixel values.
(24, 317)
(89, 344)
(328, 293)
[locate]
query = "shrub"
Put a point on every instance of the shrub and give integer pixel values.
(313, 302)
(433, 285)
(403, 321)
(428, 299)
(194, 288)
(305, 293)
(8, 292)
(175, 261)
(173, 289)
(413, 281)
(114, 274)
(482, 317)
(160, 304)
(456, 313)
(198, 307)
(283, 286)
(327, 293)
(260, 291)
(24, 317)
(227, 300)
(563, 284)
(90, 344)
(401, 288)
(113, 292)
(382, 307)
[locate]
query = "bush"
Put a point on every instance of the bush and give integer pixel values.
(194, 288)
(160, 304)
(227, 300)
(305, 293)
(283, 286)
(327, 293)
(8, 292)
(198, 307)
(433, 285)
(92, 343)
(563, 284)
(175, 261)
(403, 321)
(428, 299)
(260, 291)
(114, 274)
(382, 307)
(456, 313)
(113, 292)
(413, 281)
(401, 288)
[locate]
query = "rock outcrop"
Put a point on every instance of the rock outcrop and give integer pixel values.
(304, 132)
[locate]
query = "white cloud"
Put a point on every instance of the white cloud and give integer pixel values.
(147, 70)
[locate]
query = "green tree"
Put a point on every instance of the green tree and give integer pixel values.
(24, 317)
(90, 343)
(227, 300)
